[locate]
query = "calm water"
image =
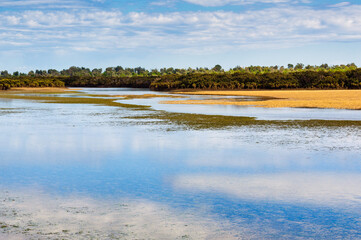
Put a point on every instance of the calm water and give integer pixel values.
(227, 110)
(82, 171)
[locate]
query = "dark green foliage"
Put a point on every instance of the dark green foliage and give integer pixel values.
(109, 81)
(306, 79)
(26, 81)
(253, 77)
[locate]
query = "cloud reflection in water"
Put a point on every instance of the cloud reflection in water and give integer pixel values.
(312, 188)
(35, 215)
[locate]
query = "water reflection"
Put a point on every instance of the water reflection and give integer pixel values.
(101, 177)
(39, 215)
(326, 189)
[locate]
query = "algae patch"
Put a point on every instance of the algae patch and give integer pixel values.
(202, 121)
(70, 100)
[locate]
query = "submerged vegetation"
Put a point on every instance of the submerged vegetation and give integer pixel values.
(176, 120)
(202, 121)
(253, 77)
(75, 99)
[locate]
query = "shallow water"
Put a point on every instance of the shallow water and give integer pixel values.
(82, 171)
(229, 110)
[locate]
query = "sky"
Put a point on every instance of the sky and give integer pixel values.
(57, 34)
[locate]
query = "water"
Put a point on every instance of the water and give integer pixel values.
(228, 110)
(82, 171)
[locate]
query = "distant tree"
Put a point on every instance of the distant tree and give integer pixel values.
(97, 71)
(237, 68)
(251, 77)
(140, 70)
(299, 66)
(352, 65)
(4, 73)
(217, 68)
(53, 72)
(324, 66)
(110, 72)
(119, 69)
(40, 73)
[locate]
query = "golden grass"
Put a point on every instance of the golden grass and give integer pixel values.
(44, 89)
(338, 99)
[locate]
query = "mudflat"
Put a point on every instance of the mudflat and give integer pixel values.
(338, 99)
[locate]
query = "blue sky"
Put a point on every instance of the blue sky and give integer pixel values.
(43, 34)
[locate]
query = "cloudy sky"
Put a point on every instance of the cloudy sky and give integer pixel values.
(43, 34)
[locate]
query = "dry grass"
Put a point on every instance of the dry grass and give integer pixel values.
(45, 89)
(338, 99)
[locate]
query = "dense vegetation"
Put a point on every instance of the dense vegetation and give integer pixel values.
(253, 77)
(11, 82)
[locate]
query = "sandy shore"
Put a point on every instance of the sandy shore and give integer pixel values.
(338, 99)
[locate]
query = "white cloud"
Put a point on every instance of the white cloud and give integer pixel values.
(17, 3)
(341, 4)
(163, 3)
(193, 32)
(214, 3)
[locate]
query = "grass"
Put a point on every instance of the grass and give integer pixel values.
(42, 90)
(338, 99)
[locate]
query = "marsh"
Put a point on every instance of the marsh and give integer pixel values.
(78, 165)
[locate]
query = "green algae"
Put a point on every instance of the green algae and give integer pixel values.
(71, 100)
(202, 121)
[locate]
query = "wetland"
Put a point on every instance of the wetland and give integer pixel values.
(117, 163)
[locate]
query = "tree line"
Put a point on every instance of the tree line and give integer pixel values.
(252, 77)
(8, 83)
